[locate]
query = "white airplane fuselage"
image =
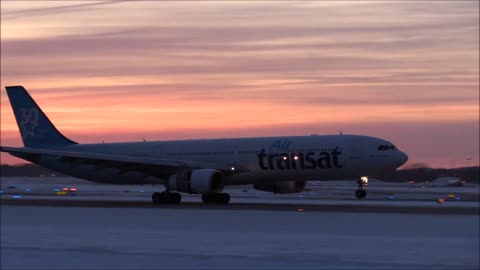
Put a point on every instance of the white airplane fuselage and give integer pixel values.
(267, 159)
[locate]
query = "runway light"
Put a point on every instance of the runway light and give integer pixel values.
(16, 196)
(65, 189)
(300, 209)
(391, 197)
(451, 196)
(73, 189)
(457, 198)
(233, 168)
(440, 200)
(56, 190)
(284, 158)
(295, 157)
(27, 190)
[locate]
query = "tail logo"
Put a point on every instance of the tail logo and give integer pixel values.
(29, 121)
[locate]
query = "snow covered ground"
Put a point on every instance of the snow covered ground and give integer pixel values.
(119, 238)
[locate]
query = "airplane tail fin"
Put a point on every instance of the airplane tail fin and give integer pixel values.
(35, 127)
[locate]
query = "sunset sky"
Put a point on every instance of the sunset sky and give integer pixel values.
(406, 71)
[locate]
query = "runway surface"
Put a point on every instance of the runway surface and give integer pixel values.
(335, 196)
(128, 238)
(117, 227)
(298, 206)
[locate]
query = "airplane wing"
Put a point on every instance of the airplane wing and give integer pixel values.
(164, 167)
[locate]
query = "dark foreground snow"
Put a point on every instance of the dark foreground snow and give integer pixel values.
(116, 238)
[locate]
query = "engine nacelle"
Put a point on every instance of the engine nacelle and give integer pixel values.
(282, 187)
(196, 181)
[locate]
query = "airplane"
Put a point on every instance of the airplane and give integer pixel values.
(205, 166)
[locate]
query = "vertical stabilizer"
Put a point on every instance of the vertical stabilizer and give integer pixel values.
(36, 129)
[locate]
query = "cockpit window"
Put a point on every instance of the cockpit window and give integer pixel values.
(387, 147)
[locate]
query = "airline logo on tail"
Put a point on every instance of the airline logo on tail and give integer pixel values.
(29, 121)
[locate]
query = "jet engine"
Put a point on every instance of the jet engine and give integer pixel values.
(199, 181)
(282, 187)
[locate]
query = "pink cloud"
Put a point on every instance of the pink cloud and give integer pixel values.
(403, 70)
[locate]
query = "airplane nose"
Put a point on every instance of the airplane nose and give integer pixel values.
(402, 158)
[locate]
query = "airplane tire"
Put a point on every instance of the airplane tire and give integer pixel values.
(360, 193)
(157, 198)
(175, 198)
(205, 198)
(216, 198)
(225, 198)
(166, 197)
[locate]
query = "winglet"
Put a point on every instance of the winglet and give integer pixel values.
(35, 127)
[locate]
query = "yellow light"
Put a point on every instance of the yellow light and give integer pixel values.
(364, 180)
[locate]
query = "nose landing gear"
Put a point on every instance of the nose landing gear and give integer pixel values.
(360, 193)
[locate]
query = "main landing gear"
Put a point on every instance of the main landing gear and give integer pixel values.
(166, 197)
(360, 193)
(216, 198)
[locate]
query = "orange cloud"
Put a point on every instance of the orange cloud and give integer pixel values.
(166, 69)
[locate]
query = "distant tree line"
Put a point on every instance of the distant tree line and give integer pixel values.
(470, 174)
(31, 170)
